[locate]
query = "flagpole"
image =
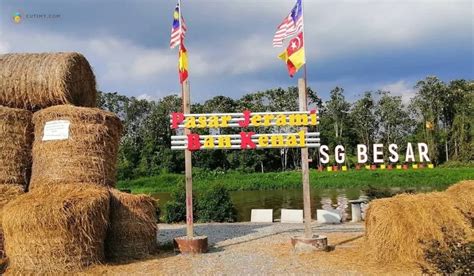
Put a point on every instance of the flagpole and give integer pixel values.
(303, 104)
(187, 153)
(180, 41)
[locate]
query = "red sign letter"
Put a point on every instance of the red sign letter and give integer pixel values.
(246, 121)
(193, 142)
(176, 119)
(246, 140)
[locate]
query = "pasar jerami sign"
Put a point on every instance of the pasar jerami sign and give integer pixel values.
(245, 139)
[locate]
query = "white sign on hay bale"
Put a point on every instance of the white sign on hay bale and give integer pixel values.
(291, 216)
(328, 216)
(262, 215)
(56, 130)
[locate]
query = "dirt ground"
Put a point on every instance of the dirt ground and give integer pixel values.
(250, 249)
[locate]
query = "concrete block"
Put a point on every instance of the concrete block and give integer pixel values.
(261, 215)
(291, 216)
(327, 216)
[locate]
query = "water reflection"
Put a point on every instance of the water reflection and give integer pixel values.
(327, 199)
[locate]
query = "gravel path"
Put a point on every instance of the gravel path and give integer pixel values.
(257, 249)
(225, 234)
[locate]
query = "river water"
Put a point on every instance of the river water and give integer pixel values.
(245, 201)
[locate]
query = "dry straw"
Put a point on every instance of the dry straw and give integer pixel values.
(56, 229)
(16, 136)
(35, 81)
(7, 194)
(89, 155)
(397, 227)
(133, 228)
(463, 196)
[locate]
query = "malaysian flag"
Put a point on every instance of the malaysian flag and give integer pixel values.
(178, 30)
(291, 25)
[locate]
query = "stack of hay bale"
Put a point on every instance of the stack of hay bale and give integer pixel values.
(399, 228)
(70, 213)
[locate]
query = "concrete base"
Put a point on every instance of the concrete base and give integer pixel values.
(195, 245)
(316, 243)
(261, 215)
(291, 216)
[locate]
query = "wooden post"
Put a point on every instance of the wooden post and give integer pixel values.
(188, 167)
(305, 165)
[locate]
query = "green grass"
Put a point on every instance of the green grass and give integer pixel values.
(234, 181)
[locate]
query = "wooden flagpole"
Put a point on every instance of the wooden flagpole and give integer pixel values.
(303, 105)
(188, 166)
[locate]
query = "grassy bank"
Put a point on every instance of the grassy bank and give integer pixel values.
(234, 181)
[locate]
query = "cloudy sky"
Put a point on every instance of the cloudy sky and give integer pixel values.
(357, 44)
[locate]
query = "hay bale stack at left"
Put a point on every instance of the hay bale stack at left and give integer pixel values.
(133, 226)
(56, 229)
(7, 194)
(40, 80)
(16, 137)
(75, 145)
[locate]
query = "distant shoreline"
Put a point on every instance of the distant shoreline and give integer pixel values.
(238, 181)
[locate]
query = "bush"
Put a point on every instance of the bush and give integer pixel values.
(157, 211)
(215, 205)
(176, 207)
(375, 192)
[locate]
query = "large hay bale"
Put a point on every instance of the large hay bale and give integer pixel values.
(35, 81)
(133, 228)
(463, 196)
(89, 155)
(16, 137)
(56, 229)
(397, 227)
(7, 194)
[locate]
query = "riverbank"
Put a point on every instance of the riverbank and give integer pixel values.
(255, 248)
(438, 178)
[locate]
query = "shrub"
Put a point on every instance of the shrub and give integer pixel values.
(215, 205)
(375, 192)
(157, 211)
(176, 207)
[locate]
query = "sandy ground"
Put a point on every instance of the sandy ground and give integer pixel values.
(259, 249)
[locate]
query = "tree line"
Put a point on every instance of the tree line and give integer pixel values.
(439, 114)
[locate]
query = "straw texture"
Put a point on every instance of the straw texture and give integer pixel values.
(35, 81)
(133, 228)
(7, 194)
(89, 155)
(16, 137)
(397, 227)
(52, 230)
(463, 196)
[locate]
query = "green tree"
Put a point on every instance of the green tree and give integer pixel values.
(364, 119)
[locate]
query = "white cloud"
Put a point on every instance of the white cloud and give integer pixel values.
(401, 88)
(4, 47)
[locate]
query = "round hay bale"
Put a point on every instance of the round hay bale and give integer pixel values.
(463, 196)
(35, 81)
(133, 226)
(16, 137)
(88, 155)
(52, 230)
(397, 228)
(7, 194)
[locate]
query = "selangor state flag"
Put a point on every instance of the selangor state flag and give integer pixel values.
(294, 55)
(182, 63)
